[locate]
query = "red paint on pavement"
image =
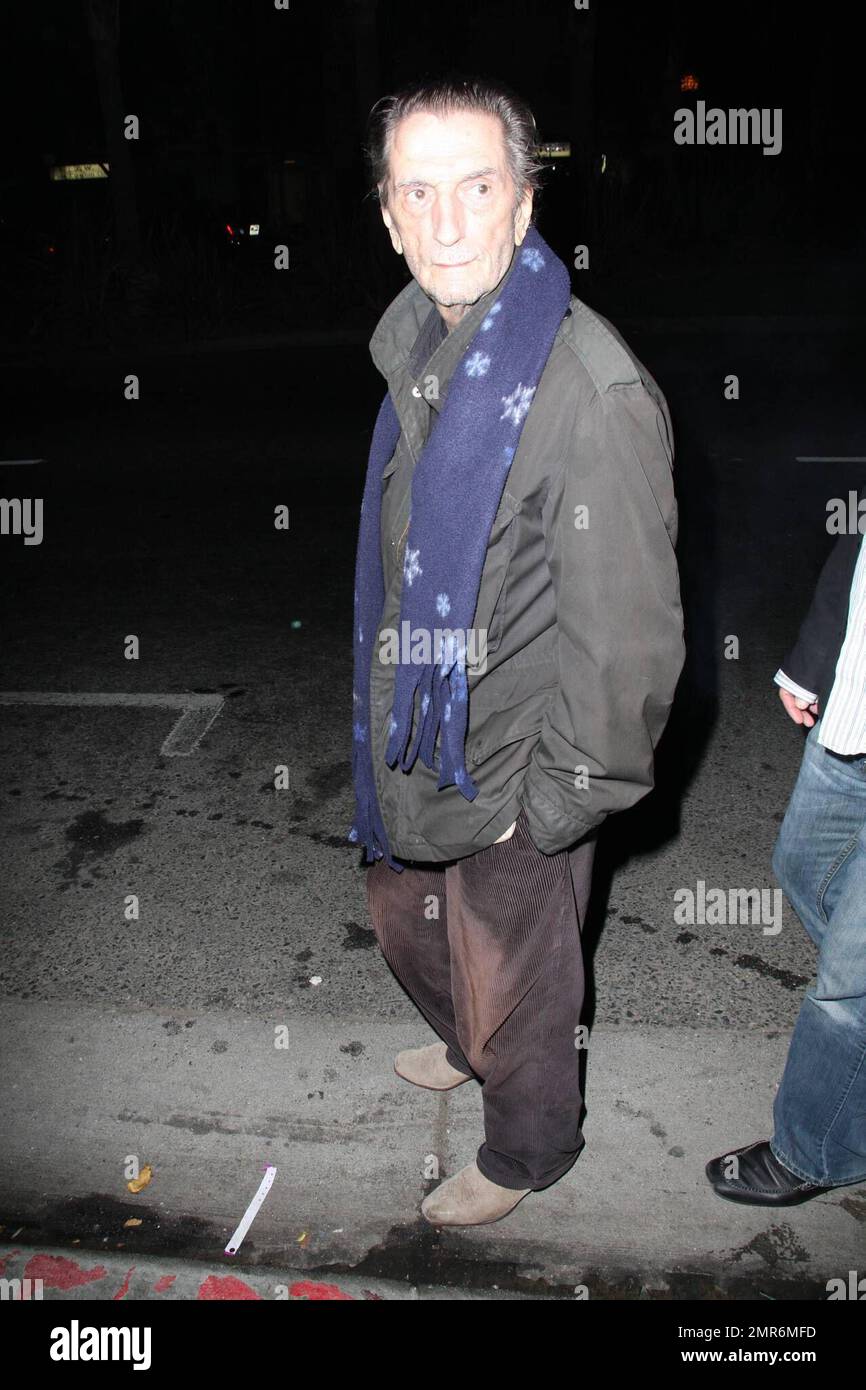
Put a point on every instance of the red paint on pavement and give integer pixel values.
(124, 1288)
(305, 1289)
(225, 1286)
(56, 1272)
(164, 1282)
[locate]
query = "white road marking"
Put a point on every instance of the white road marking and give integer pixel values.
(199, 711)
(249, 1215)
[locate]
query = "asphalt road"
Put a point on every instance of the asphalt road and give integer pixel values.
(155, 1036)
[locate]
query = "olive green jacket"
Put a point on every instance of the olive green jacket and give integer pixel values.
(579, 593)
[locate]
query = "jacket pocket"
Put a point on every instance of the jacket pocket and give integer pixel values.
(493, 589)
(487, 748)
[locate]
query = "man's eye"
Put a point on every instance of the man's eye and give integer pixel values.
(482, 186)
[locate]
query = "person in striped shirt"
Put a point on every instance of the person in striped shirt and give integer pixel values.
(819, 1114)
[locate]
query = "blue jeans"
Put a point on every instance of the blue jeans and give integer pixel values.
(820, 861)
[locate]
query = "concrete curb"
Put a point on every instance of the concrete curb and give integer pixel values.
(354, 1149)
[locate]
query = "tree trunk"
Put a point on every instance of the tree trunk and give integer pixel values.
(582, 30)
(103, 22)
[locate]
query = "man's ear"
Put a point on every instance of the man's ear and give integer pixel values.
(392, 231)
(521, 220)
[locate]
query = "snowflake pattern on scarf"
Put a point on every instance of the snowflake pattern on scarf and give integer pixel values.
(518, 403)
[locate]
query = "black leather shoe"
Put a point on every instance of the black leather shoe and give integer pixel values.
(762, 1181)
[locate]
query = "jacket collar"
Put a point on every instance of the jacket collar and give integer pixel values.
(411, 335)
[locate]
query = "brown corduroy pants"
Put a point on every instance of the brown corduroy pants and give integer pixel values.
(488, 947)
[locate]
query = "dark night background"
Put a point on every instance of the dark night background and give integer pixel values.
(155, 1037)
(253, 115)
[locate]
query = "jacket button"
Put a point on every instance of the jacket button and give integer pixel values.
(416, 392)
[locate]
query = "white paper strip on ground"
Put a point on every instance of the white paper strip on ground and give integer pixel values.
(250, 1214)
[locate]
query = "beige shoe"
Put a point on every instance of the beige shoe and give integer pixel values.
(470, 1199)
(428, 1066)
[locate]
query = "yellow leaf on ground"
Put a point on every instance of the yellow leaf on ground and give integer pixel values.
(144, 1177)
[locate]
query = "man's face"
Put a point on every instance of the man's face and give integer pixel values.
(451, 206)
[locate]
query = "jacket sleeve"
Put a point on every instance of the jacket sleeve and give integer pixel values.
(812, 659)
(619, 616)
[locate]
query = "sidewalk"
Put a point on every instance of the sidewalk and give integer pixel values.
(208, 1100)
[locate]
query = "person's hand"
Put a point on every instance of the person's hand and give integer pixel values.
(507, 836)
(800, 710)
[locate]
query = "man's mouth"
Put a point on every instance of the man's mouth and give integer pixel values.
(453, 265)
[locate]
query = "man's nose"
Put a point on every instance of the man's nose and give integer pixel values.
(448, 219)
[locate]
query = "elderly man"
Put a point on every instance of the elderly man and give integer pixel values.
(517, 622)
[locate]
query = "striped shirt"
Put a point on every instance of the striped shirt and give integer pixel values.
(843, 720)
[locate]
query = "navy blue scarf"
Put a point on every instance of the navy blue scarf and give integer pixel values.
(456, 489)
